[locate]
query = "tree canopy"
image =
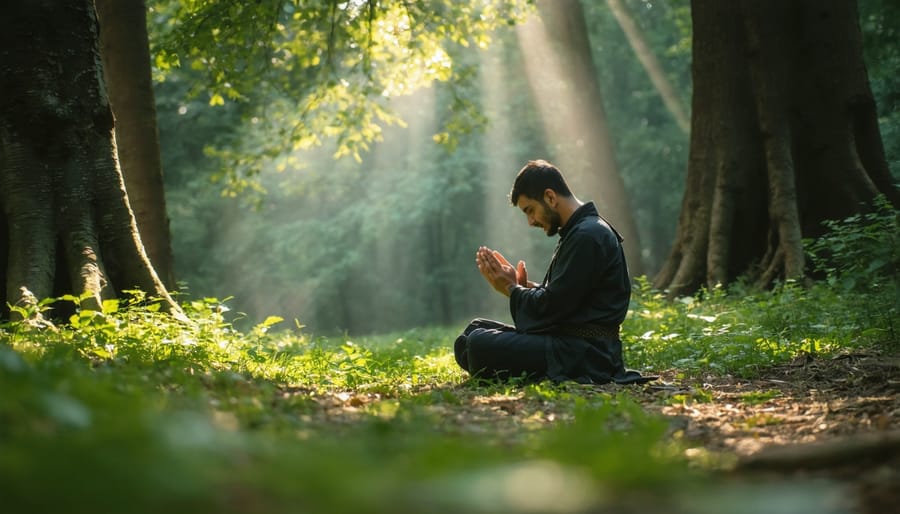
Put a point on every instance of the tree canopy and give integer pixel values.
(305, 72)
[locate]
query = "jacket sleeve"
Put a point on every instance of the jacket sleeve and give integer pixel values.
(533, 309)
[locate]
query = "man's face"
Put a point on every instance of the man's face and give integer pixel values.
(540, 214)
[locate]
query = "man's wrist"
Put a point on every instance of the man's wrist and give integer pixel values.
(509, 289)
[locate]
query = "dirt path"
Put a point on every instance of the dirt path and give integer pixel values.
(837, 419)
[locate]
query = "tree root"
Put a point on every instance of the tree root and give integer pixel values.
(876, 447)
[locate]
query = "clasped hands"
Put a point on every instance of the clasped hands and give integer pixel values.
(499, 273)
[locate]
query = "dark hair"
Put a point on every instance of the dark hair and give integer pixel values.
(536, 177)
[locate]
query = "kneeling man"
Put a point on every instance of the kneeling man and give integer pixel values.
(566, 326)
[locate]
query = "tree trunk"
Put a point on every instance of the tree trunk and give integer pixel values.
(125, 50)
(562, 75)
(68, 224)
(650, 63)
(783, 137)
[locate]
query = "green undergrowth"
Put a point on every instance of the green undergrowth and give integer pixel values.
(128, 408)
(855, 304)
(741, 334)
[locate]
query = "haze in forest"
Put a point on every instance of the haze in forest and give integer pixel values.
(387, 242)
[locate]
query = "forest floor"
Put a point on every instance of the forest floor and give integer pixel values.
(831, 421)
(836, 419)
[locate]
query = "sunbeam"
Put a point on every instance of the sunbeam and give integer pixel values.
(560, 72)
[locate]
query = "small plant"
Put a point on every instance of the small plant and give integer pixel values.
(860, 257)
(861, 252)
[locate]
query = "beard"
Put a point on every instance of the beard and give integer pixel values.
(554, 220)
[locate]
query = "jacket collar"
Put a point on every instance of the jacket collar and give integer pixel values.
(587, 209)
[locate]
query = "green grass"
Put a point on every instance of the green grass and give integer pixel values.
(129, 410)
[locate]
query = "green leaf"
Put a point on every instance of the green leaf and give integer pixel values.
(110, 306)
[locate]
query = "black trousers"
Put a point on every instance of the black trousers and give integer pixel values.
(494, 350)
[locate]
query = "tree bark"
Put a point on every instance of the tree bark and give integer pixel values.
(562, 75)
(783, 137)
(68, 224)
(125, 50)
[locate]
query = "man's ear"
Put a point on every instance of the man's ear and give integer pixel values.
(550, 197)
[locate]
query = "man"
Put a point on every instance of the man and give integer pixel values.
(567, 326)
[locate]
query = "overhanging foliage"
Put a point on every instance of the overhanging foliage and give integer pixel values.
(303, 72)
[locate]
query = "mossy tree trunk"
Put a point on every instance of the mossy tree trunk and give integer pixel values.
(66, 224)
(784, 135)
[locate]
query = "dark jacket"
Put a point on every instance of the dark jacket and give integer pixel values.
(587, 281)
(586, 284)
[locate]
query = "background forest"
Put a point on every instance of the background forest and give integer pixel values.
(386, 241)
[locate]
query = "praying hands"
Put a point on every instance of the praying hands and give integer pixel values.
(498, 271)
